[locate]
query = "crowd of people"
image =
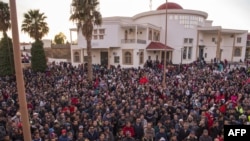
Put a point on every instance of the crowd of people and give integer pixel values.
(127, 104)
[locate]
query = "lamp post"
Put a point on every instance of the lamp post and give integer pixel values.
(165, 51)
(181, 59)
(19, 73)
(181, 55)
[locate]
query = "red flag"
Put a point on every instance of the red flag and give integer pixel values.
(143, 80)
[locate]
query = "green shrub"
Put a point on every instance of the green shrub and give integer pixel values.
(38, 58)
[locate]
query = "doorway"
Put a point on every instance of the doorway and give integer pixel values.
(201, 52)
(104, 58)
(247, 53)
(163, 55)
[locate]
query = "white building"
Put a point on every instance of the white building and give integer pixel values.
(130, 41)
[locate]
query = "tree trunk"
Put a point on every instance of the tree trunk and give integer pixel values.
(90, 71)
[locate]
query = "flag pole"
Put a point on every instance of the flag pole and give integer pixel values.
(165, 51)
(19, 73)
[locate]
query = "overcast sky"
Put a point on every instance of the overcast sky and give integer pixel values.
(226, 13)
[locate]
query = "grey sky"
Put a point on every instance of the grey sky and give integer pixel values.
(226, 13)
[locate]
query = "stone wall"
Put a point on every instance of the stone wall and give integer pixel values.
(58, 51)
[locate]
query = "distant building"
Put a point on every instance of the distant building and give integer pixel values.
(130, 41)
(27, 46)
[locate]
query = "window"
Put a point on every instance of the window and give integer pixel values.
(128, 58)
(76, 56)
(158, 37)
(171, 17)
(189, 52)
(149, 57)
(116, 59)
(238, 39)
(176, 17)
(248, 43)
(154, 36)
(185, 40)
(237, 52)
(95, 37)
(141, 59)
(188, 40)
(101, 37)
(98, 33)
(126, 35)
(184, 53)
(85, 58)
(150, 35)
(213, 39)
(101, 31)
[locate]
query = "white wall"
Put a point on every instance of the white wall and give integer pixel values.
(96, 56)
(243, 37)
(227, 47)
(210, 47)
(46, 43)
(27, 46)
(111, 37)
(176, 33)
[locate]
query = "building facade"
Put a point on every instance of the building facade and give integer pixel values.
(248, 47)
(188, 35)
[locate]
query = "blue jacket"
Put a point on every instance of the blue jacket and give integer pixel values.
(63, 138)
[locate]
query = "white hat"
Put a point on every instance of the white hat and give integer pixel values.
(162, 139)
(18, 113)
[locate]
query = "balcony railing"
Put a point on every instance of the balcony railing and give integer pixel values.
(129, 41)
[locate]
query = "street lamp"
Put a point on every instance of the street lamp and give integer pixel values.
(181, 55)
(181, 59)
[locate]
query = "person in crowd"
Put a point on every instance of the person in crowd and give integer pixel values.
(205, 136)
(199, 96)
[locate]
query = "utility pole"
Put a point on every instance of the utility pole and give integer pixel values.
(150, 5)
(19, 73)
(218, 51)
(165, 51)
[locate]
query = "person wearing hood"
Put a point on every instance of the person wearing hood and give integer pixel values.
(63, 136)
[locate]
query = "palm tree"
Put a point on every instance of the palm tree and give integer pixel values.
(6, 48)
(34, 24)
(85, 15)
(4, 17)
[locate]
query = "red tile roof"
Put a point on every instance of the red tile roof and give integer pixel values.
(158, 46)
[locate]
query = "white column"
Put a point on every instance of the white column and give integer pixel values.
(70, 36)
(147, 35)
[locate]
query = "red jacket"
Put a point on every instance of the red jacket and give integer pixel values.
(143, 80)
(210, 119)
(128, 129)
(223, 108)
(74, 101)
